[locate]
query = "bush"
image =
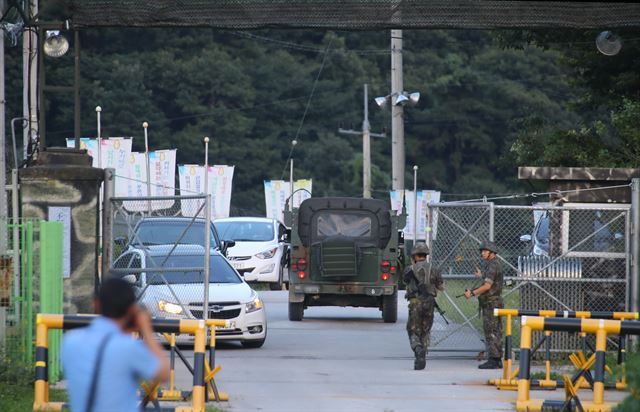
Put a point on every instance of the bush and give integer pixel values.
(632, 402)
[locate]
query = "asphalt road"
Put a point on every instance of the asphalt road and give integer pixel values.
(347, 359)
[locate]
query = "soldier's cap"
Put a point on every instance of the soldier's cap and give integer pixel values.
(420, 249)
(488, 245)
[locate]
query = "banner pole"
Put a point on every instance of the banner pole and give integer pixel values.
(207, 229)
(415, 205)
(145, 125)
(99, 136)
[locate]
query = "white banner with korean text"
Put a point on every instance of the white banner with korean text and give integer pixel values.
(220, 186)
(424, 198)
(276, 193)
(162, 168)
(114, 153)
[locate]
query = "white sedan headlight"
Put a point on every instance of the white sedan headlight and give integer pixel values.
(169, 307)
(267, 254)
(253, 306)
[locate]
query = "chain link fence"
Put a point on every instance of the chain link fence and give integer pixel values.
(574, 257)
(19, 288)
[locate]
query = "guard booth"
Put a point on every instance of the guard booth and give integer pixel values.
(588, 227)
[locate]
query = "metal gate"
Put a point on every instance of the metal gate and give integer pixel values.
(161, 245)
(574, 257)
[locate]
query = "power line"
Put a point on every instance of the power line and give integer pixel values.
(306, 109)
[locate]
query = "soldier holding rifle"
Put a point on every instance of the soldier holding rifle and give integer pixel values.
(490, 297)
(422, 283)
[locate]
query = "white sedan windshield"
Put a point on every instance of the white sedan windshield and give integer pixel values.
(245, 231)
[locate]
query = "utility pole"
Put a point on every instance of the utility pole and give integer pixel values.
(397, 112)
(3, 155)
(366, 146)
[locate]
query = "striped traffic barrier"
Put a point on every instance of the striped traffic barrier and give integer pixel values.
(510, 375)
(212, 392)
(601, 328)
(45, 322)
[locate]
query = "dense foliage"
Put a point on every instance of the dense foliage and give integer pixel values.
(485, 108)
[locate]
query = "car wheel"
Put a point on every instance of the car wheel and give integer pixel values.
(277, 285)
(390, 308)
(296, 311)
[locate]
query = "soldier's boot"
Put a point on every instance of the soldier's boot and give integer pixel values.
(420, 362)
(492, 363)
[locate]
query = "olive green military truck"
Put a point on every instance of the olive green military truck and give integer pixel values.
(344, 252)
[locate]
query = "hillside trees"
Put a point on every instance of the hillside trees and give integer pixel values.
(254, 92)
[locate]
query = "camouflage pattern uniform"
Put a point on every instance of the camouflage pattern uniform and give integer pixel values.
(422, 283)
(488, 301)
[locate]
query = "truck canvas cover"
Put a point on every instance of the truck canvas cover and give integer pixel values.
(367, 220)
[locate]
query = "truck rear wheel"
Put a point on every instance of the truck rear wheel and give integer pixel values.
(389, 307)
(296, 311)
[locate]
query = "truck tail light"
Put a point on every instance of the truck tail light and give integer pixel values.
(385, 276)
(393, 269)
(385, 265)
(301, 274)
(302, 264)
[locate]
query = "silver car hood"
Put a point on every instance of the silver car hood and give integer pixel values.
(191, 293)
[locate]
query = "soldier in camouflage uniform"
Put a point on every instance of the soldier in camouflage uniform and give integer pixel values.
(422, 283)
(489, 298)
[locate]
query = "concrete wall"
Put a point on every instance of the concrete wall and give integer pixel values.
(67, 180)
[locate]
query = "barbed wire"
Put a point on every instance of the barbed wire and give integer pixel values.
(159, 185)
(534, 195)
(539, 194)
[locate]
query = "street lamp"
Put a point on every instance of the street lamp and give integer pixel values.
(608, 43)
(398, 100)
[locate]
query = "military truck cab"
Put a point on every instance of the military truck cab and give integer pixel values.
(344, 252)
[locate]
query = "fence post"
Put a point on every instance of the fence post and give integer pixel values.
(107, 216)
(51, 252)
(26, 274)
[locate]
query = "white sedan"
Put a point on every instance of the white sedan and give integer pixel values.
(169, 283)
(259, 254)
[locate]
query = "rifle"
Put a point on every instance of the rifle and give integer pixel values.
(440, 311)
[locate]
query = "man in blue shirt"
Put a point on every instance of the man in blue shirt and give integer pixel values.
(123, 360)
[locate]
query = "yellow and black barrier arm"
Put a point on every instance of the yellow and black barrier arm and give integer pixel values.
(510, 375)
(600, 327)
(44, 322)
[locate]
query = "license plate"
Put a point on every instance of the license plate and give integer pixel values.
(237, 265)
(232, 325)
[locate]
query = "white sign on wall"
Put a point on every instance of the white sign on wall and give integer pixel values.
(63, 214)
